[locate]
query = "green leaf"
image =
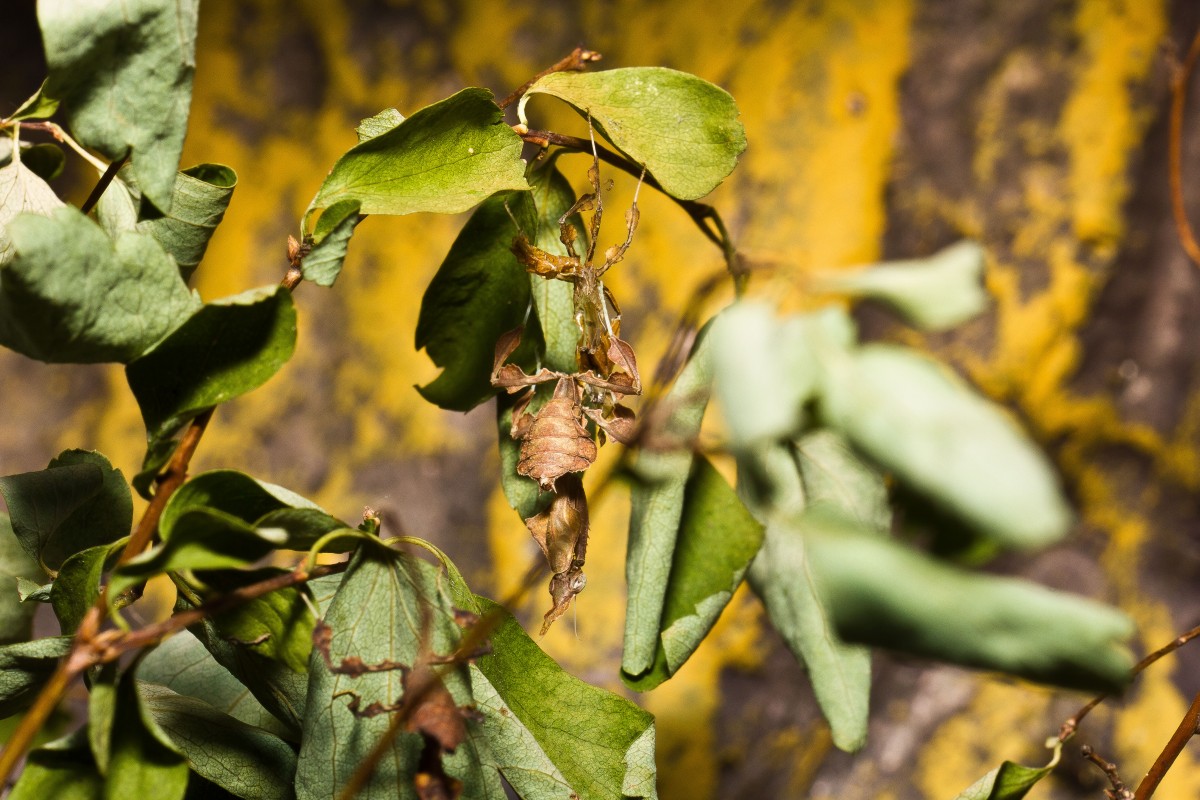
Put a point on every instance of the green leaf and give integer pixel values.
(227, 348)
(521, 492)
(445, 158)
(77, 586)
(767, 369)
(73, 295)
(77, 502)
(657, 500)
(382, 122)
(45, 160)
(25, 667)
(117, 209)
(331, 238)
(199, 539)
(124, 75)
(198, 202)
(134, 754)
(553, 300)
(39, 106)
(1010, 781)
(717, 540)
(683, 129)
(388, 606)
(961, 452)
(934, 293)
(882, 593)
(22, 190)
(16, 615)
(29, 591)
(183, 665)
(834, 477)
(244, 760)
(601, 744)
(479, 293)
(63, 769)
(277, 625)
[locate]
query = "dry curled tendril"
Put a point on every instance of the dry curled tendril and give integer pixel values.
(556, 442)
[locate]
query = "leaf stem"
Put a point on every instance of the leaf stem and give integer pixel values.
(61, 135)
(1179, 87)
(577, 61)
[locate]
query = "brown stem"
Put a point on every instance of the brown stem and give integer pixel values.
(1183, 734)
(1068, 728)
(1179, 87)
(1119, 790)
(575, 62)
(103, 183)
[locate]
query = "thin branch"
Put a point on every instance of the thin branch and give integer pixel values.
(1068, 728)
(1179, 88)
(102, 184)
(1119, 790)
(577, 61)
(1183, 734)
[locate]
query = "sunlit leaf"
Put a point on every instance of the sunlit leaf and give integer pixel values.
(946, 442)
(445, 158)
(934, 293)
(608, 753)
(199, 199)
(71, 294)
(479, 292)
(684, 129)
(77, 502)
(277, 625)
(25, 667)
(123, 73)
(39, 106)
(656, 507)
(382, 122)
(882, 593)
(331, 238)
(1010, 781)
(835, 477)
(21, 190)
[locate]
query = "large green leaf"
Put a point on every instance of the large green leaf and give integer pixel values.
(880, 592)
(601, 744)
(934, 293)
(71, 294)
(656, 508)
(16, 616)
(330, 240)
(684, 129)
(479, 293)
(1009, 781)
(819, 473)
(277, 625)
(445, 158)
(184, 665)
(134, 754)
(717, 540)
(22, 190)
(227, 348)
(77, 502)
(24, 667)
(63, 769)
(198, 204)
(949, 444)
(244, 760)
(387, 607)
(232, 492)
(77, 586)
(123, 72)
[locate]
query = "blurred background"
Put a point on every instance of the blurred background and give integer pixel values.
(878, 129)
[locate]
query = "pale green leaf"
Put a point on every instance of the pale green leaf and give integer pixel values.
(601, 744)
(382, 122)
(1010, 781)
(330, 240)
(199, 199)
(244, 760)
(123, 72)
(882, 593)
(73, 295)
(24, 667)
(656, 507)
(21, 191)
(77, 502)
(445, 158)
(38, 106)
(835, 477)
(682, 128)
(946, 442)
(934, 293)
